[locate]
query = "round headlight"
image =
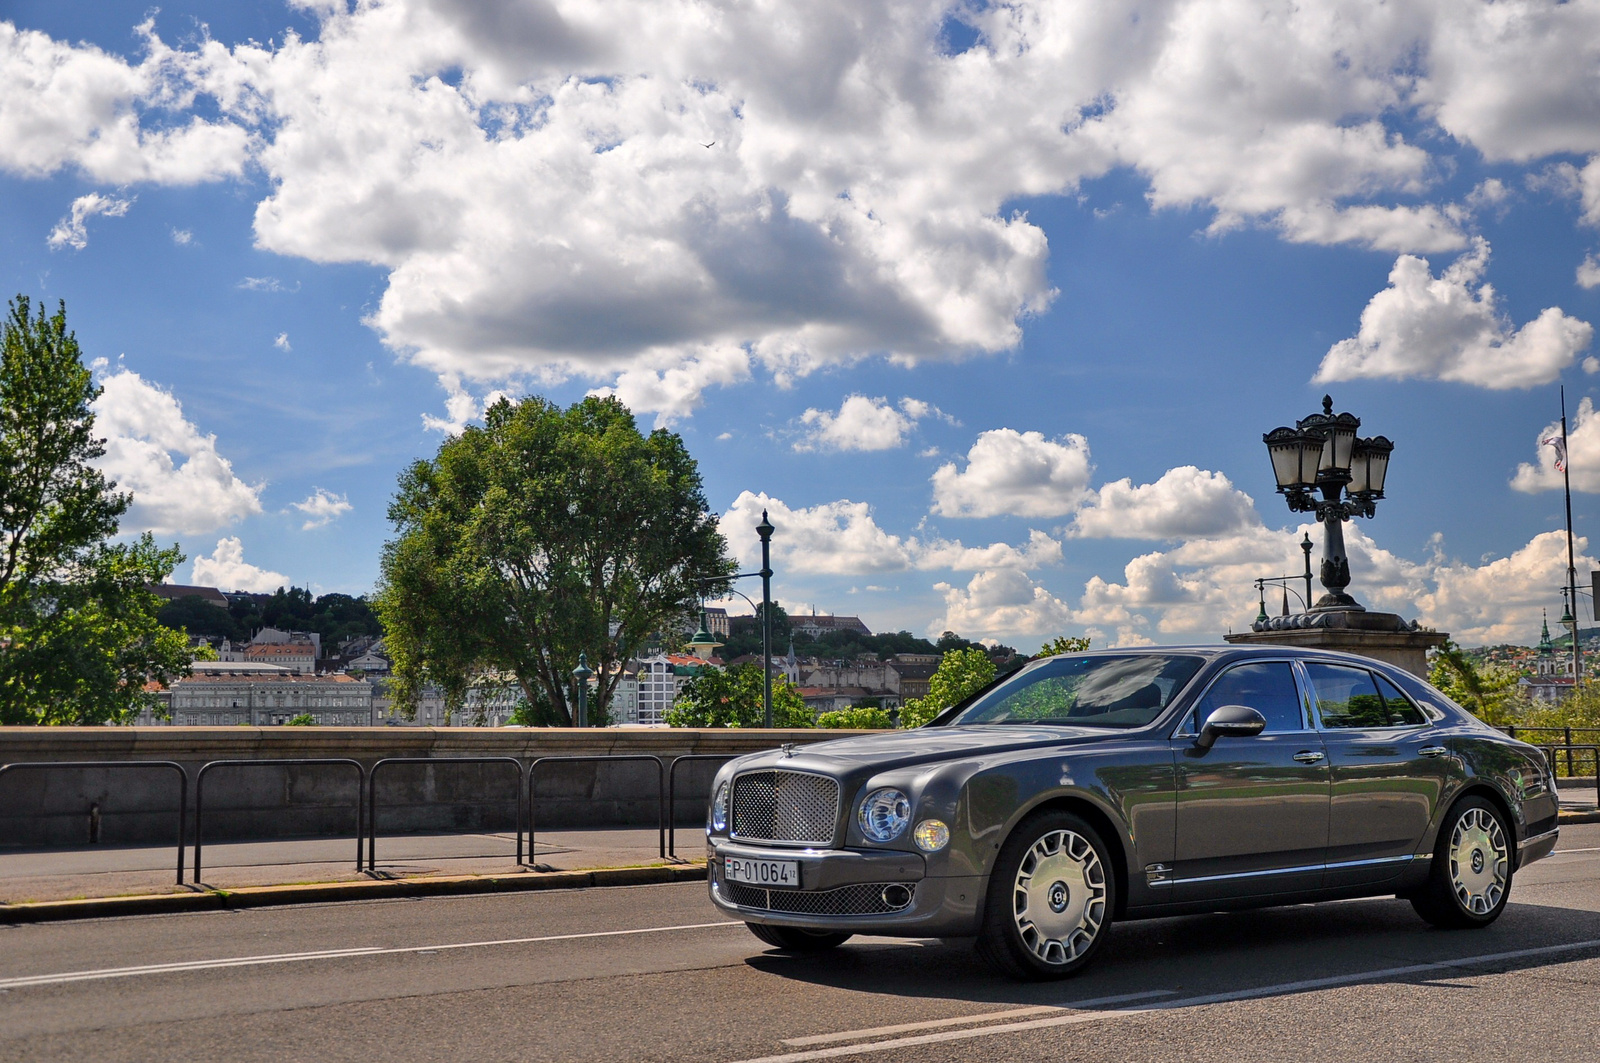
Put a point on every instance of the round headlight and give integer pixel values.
(719, 809)
(932, 835)
(884, 815)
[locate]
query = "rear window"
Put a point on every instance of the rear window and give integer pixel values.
(1090, 691)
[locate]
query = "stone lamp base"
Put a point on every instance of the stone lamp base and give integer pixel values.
(1385, 637)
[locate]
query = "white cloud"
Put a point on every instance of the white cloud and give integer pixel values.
(64, 105)
(1502, 600)
(182, 237)
(71, 231)
(1449, 328)
(180, 484)
(226, 569)
(1018, 474)
(1003, 603)
(1185, 503)
(322, 507)
(842, 538)
(854, 201)
(282, 342)
(1588, 272)
(461, 409)
(864, 423)
(266, 284)
(1583, 450)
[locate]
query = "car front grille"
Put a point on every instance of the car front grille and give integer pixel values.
(867, 898)
(785, 806)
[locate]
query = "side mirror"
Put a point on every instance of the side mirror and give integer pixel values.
(1232, 721)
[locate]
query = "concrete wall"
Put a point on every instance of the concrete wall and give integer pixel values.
(126, 806)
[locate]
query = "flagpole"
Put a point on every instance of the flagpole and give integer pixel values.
(1572, 570)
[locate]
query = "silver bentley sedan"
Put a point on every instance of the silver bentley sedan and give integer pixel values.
(1131, 784)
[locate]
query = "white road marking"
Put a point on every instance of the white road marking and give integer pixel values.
(327, 954)
(963, 1020)
(1592, 849)
(1140, 1010)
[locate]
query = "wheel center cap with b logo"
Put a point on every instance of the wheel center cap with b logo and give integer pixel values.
(1057, 897)
(1477, 861)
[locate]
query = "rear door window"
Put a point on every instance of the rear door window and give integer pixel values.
(1402, 713)
(1346, 697)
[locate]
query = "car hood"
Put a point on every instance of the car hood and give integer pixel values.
(898, 749)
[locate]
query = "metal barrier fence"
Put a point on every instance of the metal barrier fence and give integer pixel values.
(183, 785)
(372, 799)
(1565, 743)
(293, 762)
(1592, 750)
(672, 793)
(367, 800)
(661, 828)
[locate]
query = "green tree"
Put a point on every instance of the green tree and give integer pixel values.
(545, 533)
(1062, 644)
(305, 719)
(732, 698)
(79, 638)
(960, 674)
(857, 717)
(1489, 693)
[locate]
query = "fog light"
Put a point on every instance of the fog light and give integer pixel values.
(932, 835)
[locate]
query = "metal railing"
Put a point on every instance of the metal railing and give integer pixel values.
(372, 799)
(1565, 743)
(292, 762)
(533, 770)
(1593, 750)
(672, 793)
(183, 785)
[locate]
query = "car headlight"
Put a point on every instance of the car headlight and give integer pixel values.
(932, 835)
(719, 809)
(884, 815)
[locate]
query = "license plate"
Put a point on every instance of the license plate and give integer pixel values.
(773, 874)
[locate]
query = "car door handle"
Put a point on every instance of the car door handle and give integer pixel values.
(1433, 751)
(1309, 756)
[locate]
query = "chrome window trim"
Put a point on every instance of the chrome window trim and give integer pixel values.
(1183, 732)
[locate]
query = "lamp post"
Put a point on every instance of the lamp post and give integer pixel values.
(582, 674)
(765, 530)
(1322, 453)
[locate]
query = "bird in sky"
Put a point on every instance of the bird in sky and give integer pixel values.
(708, 145)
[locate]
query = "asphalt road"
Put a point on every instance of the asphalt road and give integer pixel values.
(654, 973)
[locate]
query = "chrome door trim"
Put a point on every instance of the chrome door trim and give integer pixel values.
(1341, 865)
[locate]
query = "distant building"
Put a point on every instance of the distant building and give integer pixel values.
(222, 694)
(295, 656)
(271, 636)
(916, 672)
(815, 625)
(661, 677)
(717, 621)
(173, 591)
(1552, 678)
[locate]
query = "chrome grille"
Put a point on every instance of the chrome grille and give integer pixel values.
(863, 899)
(785, 806)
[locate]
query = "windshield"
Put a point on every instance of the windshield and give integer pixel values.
(1098, 691)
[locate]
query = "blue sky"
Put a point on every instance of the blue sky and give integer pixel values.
(989, 306)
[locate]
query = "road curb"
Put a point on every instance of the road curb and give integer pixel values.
(1578, 817)
(206, 899)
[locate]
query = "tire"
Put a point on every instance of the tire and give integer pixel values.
(797, 939)
(1470, 880)
(1050, 899)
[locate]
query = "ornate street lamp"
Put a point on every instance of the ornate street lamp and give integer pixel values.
(1323, 453)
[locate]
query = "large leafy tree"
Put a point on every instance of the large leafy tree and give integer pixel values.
(545, 533)
(79, 638)
(960, 673)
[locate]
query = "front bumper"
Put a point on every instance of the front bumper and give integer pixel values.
(849, 890)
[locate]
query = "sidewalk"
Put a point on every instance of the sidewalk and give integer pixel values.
(103, 871)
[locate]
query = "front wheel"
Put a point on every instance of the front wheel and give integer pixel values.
(1470, 880)
(1050, 899)
(797, 939)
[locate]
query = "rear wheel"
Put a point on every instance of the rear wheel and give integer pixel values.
(1050, 899)
(1470, 880)
(797, 939)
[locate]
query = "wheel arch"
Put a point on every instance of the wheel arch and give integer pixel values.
(1481, 788)
(1096, 817)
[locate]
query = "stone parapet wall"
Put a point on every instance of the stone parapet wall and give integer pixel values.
(40, 808)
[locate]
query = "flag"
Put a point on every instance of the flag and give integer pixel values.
(1560, 446)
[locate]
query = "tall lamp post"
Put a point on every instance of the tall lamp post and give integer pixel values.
(765, 530)
(1322, 453)
(582, 674)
